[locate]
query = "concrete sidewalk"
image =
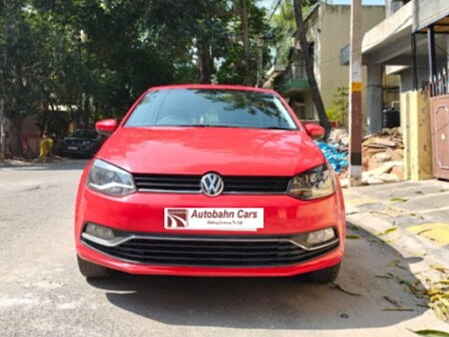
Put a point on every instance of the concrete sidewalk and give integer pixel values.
(414, 214)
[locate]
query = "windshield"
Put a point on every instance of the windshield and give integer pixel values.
(211, 108)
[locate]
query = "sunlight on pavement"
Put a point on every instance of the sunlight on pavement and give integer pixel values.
(438, 232)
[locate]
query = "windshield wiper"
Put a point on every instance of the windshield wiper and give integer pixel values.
(225, 126)
(180, 125)
(277, 128)
(202, 126)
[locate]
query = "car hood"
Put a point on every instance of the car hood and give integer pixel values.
(227, 151)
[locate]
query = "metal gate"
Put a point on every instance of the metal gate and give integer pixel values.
(439, 106)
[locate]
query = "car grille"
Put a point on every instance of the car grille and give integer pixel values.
(191, 184)
(204, 251)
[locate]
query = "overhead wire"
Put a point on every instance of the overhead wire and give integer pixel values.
(275, 9)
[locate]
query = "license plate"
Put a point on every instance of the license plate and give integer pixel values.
(237, 219)
(73, 148)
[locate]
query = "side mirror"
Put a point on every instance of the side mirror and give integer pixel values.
(315, 131)
(106, 127)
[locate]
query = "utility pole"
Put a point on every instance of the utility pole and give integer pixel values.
(355, 96)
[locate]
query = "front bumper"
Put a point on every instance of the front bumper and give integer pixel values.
(329, 260)
(144, 213)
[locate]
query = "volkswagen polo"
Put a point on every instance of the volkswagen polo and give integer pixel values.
(209, 180)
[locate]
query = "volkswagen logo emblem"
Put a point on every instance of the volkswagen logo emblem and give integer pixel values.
(212, 184)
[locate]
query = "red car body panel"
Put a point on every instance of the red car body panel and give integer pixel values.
(247, 152)
(195, 151)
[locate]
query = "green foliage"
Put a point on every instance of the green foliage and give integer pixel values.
(233, 70)
(80, 60)
(432, 333)
(284, 28)
(338, 111)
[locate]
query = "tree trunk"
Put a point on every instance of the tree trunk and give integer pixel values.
(205, 63)
(309, 63)
(243, 11)
(18, 150)
(86, 109)
(2, 130)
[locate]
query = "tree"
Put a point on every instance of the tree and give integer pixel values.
(78, 60)
(284, 26)
(309, 64)
(243, 13)
(239, 66)
(338, 111)
(22, 63)
(196, 29)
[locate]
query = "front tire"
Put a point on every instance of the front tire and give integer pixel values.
(323, 276)
(92, 271)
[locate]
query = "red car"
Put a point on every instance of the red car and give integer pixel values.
(210, 180)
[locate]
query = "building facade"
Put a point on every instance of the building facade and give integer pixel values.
(328, 30)
(413, 43)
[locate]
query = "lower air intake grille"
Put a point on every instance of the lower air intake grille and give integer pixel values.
(204, 251)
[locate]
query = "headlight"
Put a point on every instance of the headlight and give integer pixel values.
(110, 179)
(313, 184)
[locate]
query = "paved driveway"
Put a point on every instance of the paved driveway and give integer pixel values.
(42, 293)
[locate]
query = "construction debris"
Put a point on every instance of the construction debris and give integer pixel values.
(382, 154)
(339, 138)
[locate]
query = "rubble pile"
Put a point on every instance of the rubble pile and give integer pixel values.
(382, 155)
(339, 138)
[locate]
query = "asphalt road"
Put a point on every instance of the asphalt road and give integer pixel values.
(42, 293)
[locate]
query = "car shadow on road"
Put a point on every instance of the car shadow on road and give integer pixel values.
(372, 270)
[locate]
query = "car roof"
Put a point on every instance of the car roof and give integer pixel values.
(212, 87)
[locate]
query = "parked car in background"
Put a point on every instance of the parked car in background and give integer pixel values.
(210, 180)
(82, 143)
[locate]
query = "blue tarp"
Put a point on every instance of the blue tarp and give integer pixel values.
(338, 160)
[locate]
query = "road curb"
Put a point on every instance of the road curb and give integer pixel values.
(364, 215)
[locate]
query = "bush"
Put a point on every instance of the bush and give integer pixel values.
(338, 111)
